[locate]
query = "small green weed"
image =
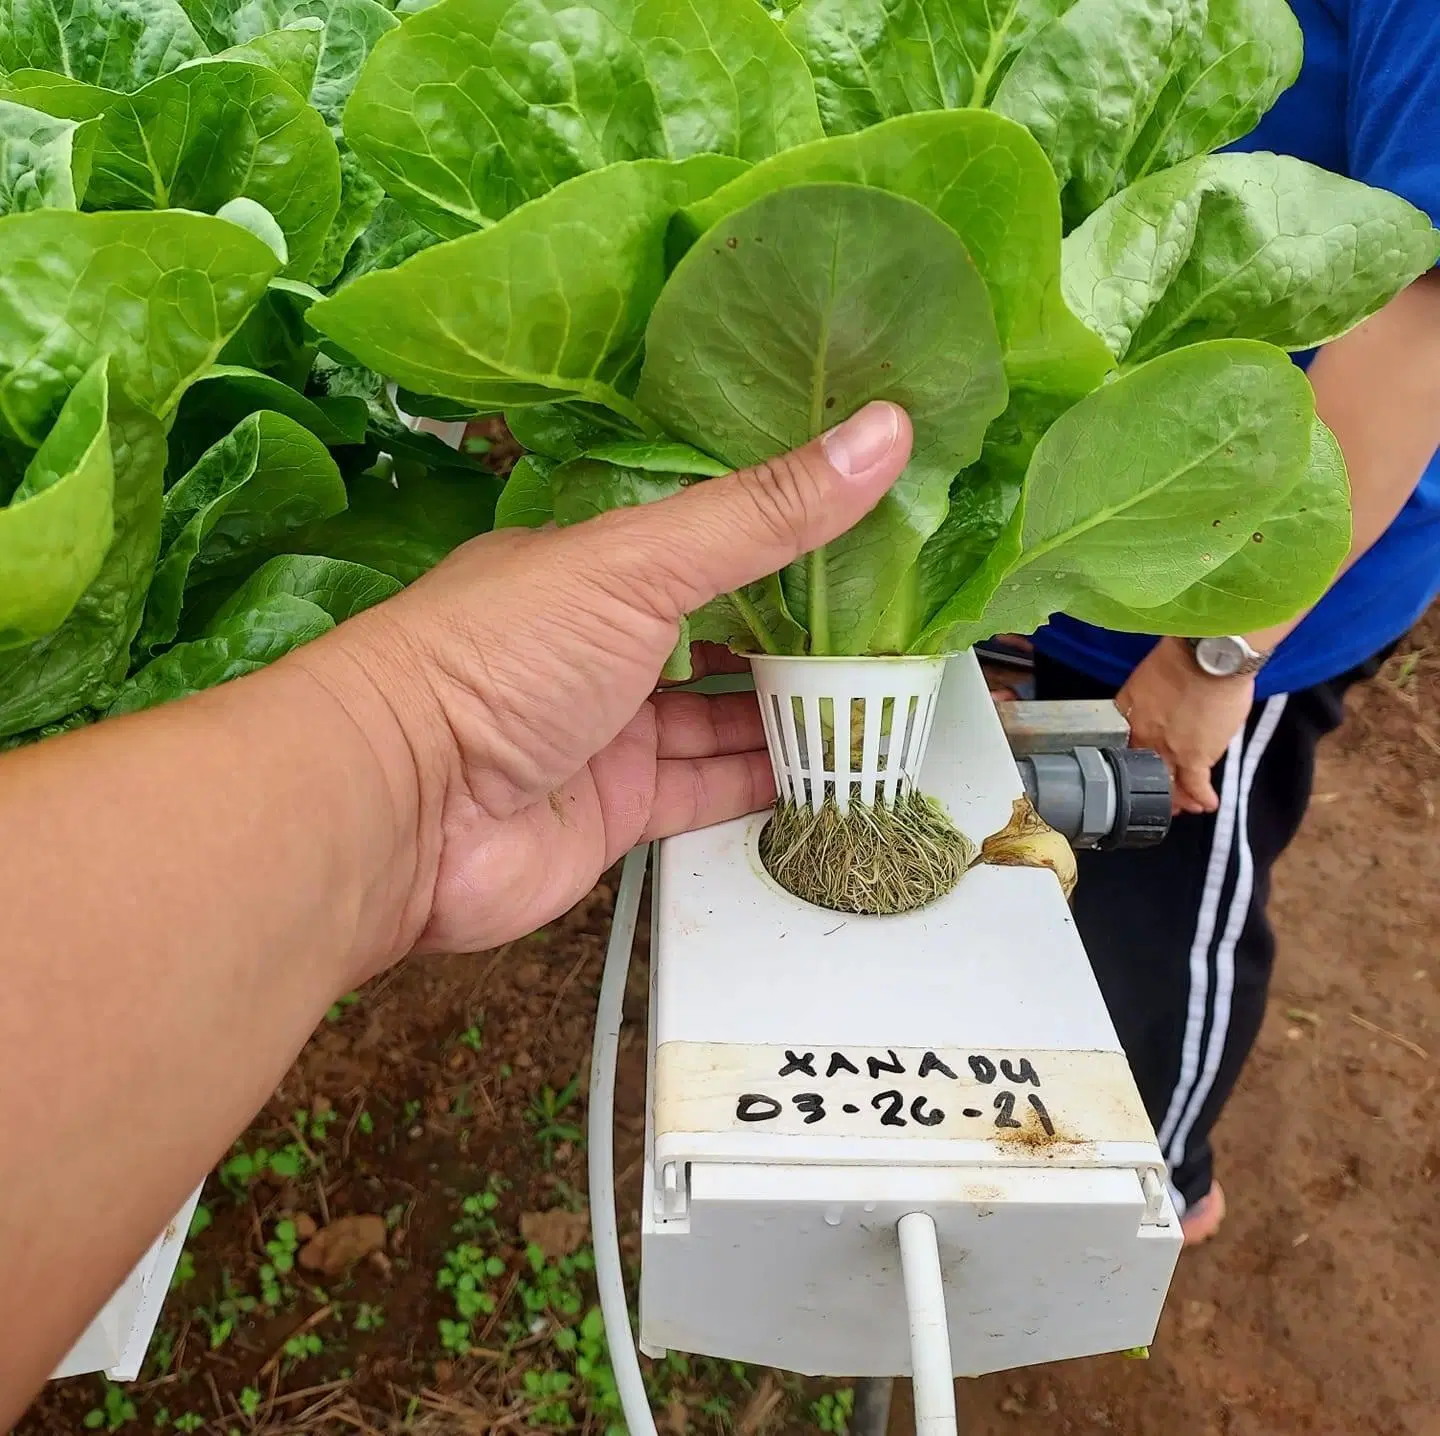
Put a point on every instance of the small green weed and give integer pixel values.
(552, 1293)
(471, 1037)
(720, 1409)
(466, 1273)
(161, 1353)
(368, 1317)
(221, 1317)
(567, 1195)
(548, 1390)
(184, 1272)
(552, 1289)
(466, 1270)
(189, 1422)
(303, 1345)
(250, 1400)
(239, 1171)
(477, 1217)
(832, 1411)
(546, 1114)
(281, 1249)
(698, 1373)
(661, 1377)
(338, 1008)
(116, 1410)
(315, 1126)
(593, 1369)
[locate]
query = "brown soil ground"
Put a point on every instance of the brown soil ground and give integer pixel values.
(1313, 1312)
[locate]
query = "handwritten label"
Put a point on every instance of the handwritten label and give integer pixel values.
(1034, 1100)
(894, 1106)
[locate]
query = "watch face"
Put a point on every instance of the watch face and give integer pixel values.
(1221, 657)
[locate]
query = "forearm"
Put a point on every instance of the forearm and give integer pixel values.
(1378, 389)
(185, 891)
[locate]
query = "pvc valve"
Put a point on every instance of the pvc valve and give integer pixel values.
(1100, 797)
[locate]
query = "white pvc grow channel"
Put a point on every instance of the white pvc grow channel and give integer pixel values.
(879, 1146)
(117, 1340)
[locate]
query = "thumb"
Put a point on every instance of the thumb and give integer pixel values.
(723, 533)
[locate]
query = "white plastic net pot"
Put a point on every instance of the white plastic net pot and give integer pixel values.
(846, 729)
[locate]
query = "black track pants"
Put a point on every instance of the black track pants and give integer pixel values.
(1177, 934)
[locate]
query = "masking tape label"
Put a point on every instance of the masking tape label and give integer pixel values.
(1030, 1099)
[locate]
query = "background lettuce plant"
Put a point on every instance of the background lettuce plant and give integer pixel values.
(663, 238)
(189, 485)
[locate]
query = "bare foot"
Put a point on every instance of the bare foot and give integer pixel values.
(1202, 1220)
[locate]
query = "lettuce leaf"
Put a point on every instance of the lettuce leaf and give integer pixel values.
(549, 303)
(473, 107)
(793, 313)
(60, 521)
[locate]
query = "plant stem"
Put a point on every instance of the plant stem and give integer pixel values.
(899, 625)
(758, 626)
(615, 401)
(817, 617)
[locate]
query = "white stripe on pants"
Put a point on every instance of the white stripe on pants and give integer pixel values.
(1232, 836)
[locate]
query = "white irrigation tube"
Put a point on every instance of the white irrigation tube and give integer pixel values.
(931, 1371)
(609, 1270)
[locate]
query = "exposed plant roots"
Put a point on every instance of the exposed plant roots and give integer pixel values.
(877, 860)
(1028, 841)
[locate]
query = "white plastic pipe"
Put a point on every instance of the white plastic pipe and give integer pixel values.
(933, 1376)
(609, 1270)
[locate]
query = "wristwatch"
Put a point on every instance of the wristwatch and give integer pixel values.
(1229, 657)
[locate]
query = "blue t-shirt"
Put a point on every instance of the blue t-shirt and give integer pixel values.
(1367, 105)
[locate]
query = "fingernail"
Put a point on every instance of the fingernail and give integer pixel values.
(857, 445)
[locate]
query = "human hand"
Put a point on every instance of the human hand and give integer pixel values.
(1186, 716)
(1001, 679)
(509, 695)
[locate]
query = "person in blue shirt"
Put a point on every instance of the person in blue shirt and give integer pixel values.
(1178, 934)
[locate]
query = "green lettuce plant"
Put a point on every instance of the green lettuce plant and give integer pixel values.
(682, 240)
(663, 239)
(189, 485)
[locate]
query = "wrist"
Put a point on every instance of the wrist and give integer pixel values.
(387, 782)
(1267, 640)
